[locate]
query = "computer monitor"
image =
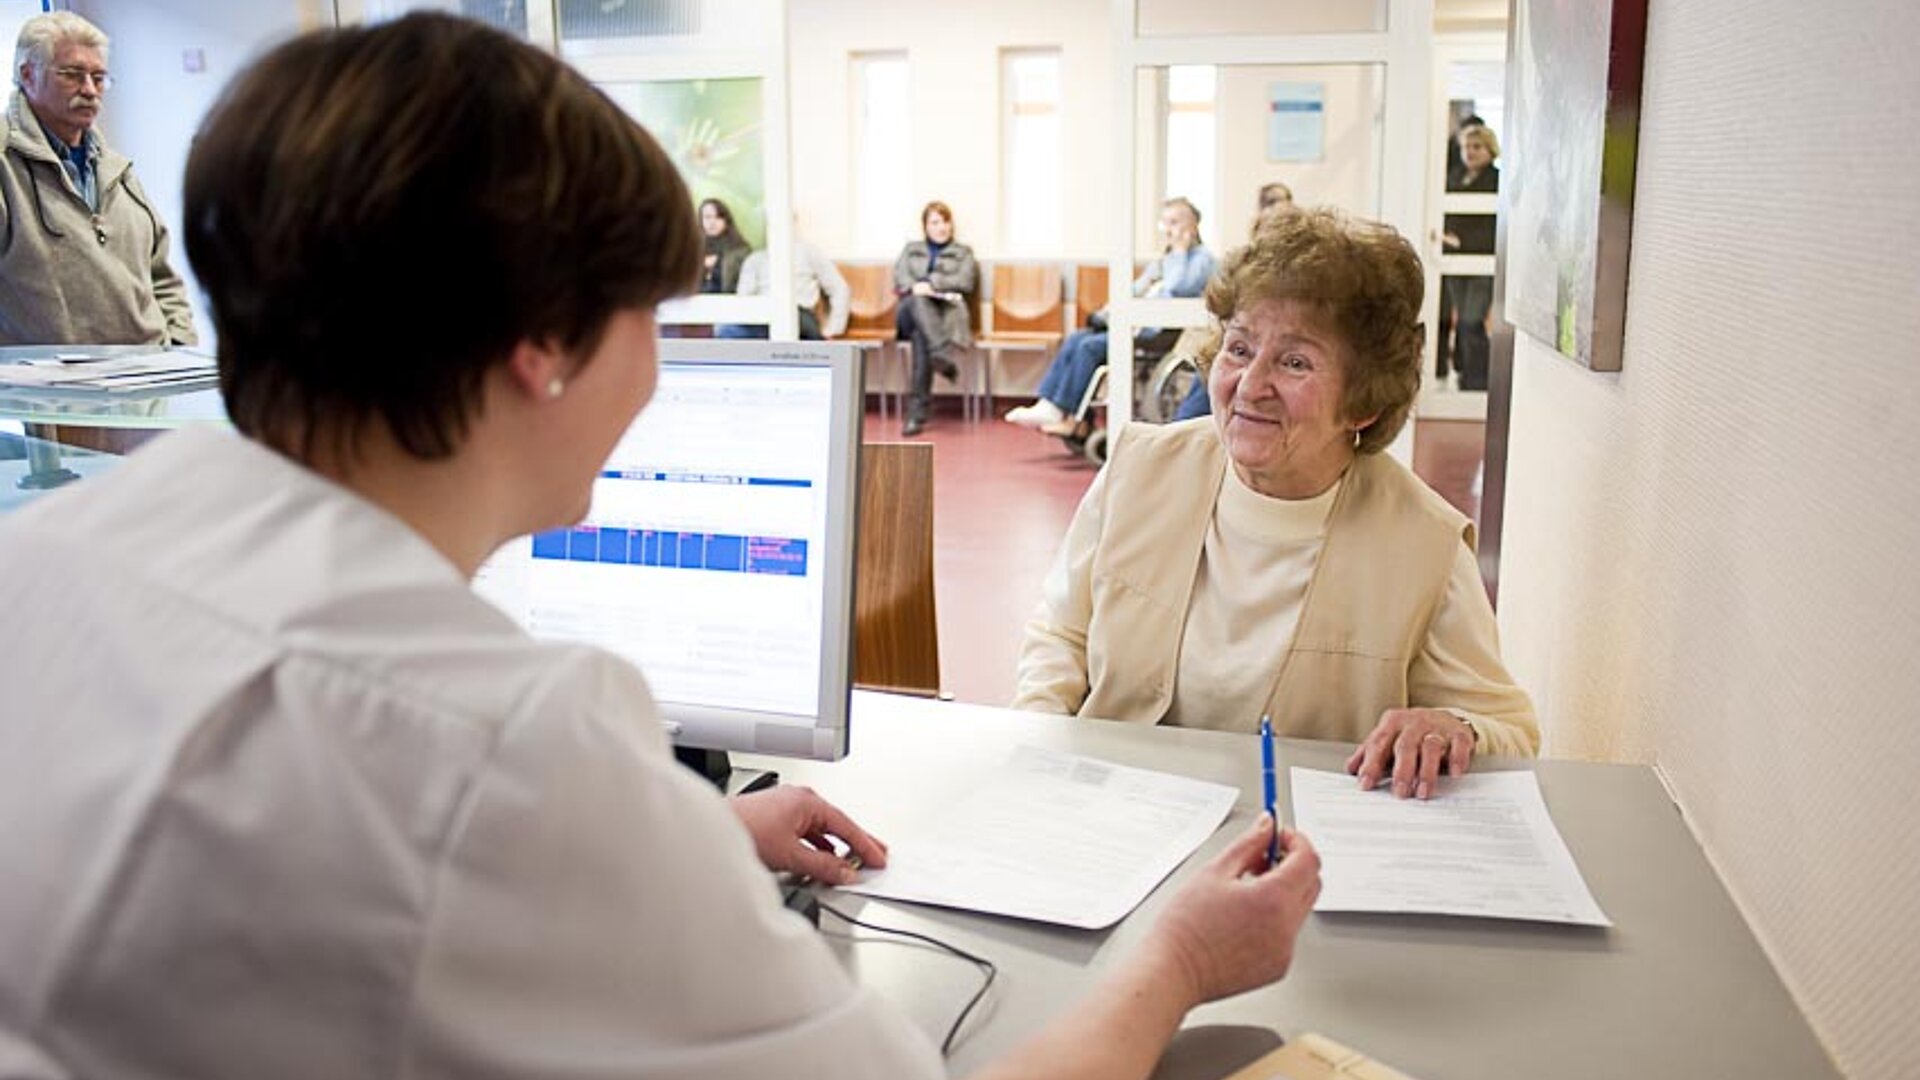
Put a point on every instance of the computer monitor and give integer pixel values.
(718, 553)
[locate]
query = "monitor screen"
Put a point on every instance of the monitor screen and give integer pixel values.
(718, 553)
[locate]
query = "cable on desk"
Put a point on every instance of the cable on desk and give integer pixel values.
(985, 965)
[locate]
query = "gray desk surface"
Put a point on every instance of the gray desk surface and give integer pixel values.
(1677, 988)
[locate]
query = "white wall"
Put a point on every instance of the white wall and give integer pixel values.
(1709, 558)
(953, 53)
(156, 105)
(1348, 173)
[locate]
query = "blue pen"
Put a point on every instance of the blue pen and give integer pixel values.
(1266, 774)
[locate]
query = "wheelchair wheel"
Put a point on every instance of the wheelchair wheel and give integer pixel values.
(1096, 447)
(1167, 387)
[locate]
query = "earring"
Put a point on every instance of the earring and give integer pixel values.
(555, 387)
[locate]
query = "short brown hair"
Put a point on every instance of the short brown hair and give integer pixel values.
(380, 214)
(945, 212)
(1365, 282)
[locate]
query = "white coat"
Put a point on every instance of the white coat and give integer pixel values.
(280, 796)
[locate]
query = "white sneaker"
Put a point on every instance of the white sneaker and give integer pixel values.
(1037, 415)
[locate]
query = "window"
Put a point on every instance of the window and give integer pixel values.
(1032, 201)
(1192, 145)
(883, 210)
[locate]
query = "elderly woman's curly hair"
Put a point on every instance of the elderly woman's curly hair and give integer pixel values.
(1364, 283)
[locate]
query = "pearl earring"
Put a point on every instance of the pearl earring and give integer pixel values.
(555, 387)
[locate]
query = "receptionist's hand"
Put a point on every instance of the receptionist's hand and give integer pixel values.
(793, 829)
(1413, 747)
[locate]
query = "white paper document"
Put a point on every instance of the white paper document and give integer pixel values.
(114, 373)
(1483, 846)
(1055, 838)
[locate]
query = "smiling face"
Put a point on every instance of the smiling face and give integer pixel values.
(1277, 385)
(939, 228)
(66, 96)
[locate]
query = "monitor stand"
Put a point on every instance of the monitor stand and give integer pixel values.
(719, 771)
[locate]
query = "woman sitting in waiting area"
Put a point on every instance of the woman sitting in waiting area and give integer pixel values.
(935, 278)
(1269, 559)
(726, 250)
(1182, 269)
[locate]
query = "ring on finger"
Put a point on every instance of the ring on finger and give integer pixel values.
(1433, 736)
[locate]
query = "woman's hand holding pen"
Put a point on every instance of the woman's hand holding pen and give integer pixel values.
(1232, 927)
(1413, 747)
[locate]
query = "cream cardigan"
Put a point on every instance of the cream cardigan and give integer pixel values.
(1109, 645)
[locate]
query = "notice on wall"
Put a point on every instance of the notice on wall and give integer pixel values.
(1296, 121)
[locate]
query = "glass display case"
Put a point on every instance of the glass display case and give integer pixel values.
(51, 438)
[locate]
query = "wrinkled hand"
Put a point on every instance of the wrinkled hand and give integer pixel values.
(923, 288)
(793, 829)
(1232, 927)
(1413, 746)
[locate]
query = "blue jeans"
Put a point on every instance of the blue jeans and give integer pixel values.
(1071, 372)
(809, 329)
(1196, 403)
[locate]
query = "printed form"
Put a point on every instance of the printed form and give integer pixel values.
(1484, 846)
(1053, 837)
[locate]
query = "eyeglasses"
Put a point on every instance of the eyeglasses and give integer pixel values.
(74, 76)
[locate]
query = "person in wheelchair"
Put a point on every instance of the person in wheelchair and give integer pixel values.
(1182, 269)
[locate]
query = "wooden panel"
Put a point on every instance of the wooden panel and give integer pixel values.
(870, 308)
(896, 639)
(1090, 292)
(1027, 300)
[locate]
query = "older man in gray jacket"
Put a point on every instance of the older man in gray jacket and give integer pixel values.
(83, 253)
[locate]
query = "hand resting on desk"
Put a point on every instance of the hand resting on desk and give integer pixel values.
(793, 829)
(1413, 747)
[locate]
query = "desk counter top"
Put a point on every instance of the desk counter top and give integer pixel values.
(1677, 988)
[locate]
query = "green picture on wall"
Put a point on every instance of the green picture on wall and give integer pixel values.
(712, 129)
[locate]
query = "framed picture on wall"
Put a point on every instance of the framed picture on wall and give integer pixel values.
(1574, 113)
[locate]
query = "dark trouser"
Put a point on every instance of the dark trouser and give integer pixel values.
(906, 325)
(809, 329)
(1472, 351)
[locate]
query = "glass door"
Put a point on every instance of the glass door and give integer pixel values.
(1327, 101)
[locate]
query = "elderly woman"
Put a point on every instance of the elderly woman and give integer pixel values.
(935, 278)
(1269, 559)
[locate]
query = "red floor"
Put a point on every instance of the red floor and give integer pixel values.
(1002, 499)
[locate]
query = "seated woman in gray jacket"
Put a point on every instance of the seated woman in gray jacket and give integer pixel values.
(1269, 559)
(935, 279)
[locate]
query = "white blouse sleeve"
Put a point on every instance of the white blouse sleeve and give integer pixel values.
(603, 914)
(1459, 669)
(1052, 673)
